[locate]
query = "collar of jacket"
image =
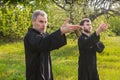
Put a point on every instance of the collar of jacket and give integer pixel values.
(84, 33)
(32, 29)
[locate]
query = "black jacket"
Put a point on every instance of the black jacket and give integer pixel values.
(88, 45)
(37, 53)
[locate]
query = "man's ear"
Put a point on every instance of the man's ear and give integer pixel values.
(33, 21)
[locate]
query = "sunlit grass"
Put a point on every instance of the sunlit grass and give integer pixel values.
(12, 65)
(64, 61)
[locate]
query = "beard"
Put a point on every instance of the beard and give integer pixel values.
(42, 30)
(87, 31)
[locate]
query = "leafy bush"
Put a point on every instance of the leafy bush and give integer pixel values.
(115, 24)
(14, 21)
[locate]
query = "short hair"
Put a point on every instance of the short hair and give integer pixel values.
(84, 20)
(36, 13)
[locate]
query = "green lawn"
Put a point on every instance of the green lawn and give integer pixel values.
(64, 61)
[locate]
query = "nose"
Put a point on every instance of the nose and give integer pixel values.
(90, 26)
(44, 24)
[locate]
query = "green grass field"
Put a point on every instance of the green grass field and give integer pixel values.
(64, 61)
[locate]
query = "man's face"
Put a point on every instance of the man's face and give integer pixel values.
(87, 26)
(40, 23)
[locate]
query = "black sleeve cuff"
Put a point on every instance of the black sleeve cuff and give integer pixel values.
(100, 46)
(61, 38)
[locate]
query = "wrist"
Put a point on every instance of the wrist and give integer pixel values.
(98, 31)
(61, 30)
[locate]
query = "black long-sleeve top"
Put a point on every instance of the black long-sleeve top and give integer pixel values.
(87, 60)
(37, 53)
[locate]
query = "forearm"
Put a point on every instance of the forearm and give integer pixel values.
(101, 28)
(48, 43)
(98, 31)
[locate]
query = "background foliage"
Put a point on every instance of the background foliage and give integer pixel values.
(15, 17)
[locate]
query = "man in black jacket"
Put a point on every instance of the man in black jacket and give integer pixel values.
(89, 44)
(38, 45)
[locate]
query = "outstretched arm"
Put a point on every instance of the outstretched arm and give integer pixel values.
(93, 39)
(53, 41)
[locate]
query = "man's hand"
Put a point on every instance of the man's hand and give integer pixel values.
(67, 28)
(101, 28)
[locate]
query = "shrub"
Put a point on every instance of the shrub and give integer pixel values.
(14, 21)
(115, 24)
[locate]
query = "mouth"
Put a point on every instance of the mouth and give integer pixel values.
(42, 28)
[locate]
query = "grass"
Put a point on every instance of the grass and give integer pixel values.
(64, 61)
(12, 65)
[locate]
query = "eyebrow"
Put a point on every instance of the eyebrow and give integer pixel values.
(88, 24)
(42, 21)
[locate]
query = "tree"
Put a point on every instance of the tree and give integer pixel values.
(14, 1)
(78, 9)
(107, 7)
(15, 18)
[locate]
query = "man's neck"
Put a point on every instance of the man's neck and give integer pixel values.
(88, 34)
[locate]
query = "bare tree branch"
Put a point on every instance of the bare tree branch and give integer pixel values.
(62, 7)
(90, 8)
(115, 12)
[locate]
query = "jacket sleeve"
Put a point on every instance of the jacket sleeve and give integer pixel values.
(99, 46)
(84, 42)
(48, 43)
